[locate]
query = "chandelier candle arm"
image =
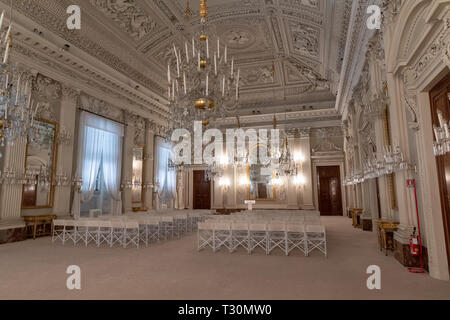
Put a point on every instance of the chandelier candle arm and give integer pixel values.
(5, 58)
(8, 32)
(226, 54)
(1, 20)
(18, 88)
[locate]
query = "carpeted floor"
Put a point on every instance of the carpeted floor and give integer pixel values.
(35, 269)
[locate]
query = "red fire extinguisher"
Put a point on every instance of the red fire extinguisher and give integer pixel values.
(414, 244)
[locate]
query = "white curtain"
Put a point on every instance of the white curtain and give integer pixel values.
(112, 154)
(100, 140)
(167, 192)
(90, 164)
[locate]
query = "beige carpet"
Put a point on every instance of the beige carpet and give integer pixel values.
(35, 269)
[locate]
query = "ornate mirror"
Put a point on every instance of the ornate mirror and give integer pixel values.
(40, 164)
(260, 176)
(138, 176)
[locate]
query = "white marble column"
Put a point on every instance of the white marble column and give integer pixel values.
(149, 155)
(64, 163)
(127, 163)
(406, 206)
(292, 190)
(305, 149)
(11, 194)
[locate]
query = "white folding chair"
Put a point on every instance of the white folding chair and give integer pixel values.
(316, 238)
(222, 235)
(118, 230)
(167, 227)
(69, 231)
(239, 234)
(92, 231)
(296, 238)
(58, 230)
(257, 236)
(205, 235)
(276, 236)
(153, 226)
(131, 234)
(104, 232)
(180, 224)
(81, 227)
(143, 230)
(312, 220)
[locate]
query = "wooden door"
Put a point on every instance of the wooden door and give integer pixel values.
(439, 98)
(330, 197)
(202, 191)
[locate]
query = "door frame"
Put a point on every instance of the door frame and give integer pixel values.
(328, 163)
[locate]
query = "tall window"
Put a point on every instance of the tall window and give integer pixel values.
(99, 165)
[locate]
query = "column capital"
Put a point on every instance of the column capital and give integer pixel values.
(70, 92)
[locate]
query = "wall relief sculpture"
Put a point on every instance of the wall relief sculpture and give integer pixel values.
(129, 15)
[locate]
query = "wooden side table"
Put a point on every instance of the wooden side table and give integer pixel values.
(385, 230)
(44, 222)
(356, 217)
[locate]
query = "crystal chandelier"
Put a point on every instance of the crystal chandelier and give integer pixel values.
(16, 109)
(203, 82)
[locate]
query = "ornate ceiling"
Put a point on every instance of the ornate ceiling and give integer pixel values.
(290, 51)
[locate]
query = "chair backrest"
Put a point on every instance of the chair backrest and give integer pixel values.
(239, 225)
(104, 224)
(59, 222)
(295, 227)
(82, 223)
(276, 226)
(258, 226)
(315, 229)
(205, 226)
(131, 225)
(118, 224)
(222, 225)
(70, 223)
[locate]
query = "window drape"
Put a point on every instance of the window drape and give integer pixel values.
(166, 178)
(100, 142)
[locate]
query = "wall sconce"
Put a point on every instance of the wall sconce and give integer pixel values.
(224, 183)
(299, 157)
(243, 181)
(277, 181)
(300, 180)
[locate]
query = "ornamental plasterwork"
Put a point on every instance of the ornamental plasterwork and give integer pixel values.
(257, 75)
(58, 25)
(326, 145)
(47, 88)
(81, 78)
(297, 4)
(305, 39)
(100, 107)
(327, 132)
(46, 111)
(131, 17)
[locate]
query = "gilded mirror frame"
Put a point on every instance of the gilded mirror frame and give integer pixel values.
(52, 176)
(274, 198)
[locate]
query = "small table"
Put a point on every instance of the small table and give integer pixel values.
(385, 230)
(45, 220)
(356, 216)
(250, 204)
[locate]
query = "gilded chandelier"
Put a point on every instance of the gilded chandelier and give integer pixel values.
(17, 111)
(203, 82)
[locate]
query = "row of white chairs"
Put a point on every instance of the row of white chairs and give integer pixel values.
(286, 236)
(303, 220)
(126, 230)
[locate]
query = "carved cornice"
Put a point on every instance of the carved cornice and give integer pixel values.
(69, 92)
